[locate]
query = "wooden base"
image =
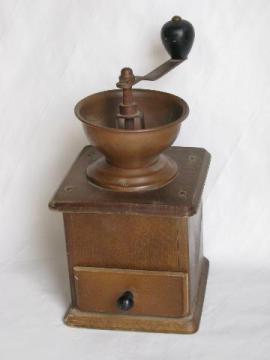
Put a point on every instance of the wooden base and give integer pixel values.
(185, 325)
(164, 244)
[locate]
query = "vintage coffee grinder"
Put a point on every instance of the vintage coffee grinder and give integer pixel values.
(132, 207)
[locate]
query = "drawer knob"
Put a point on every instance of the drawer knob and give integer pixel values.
(125, 302)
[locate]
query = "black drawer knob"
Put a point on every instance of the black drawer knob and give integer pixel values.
(126, 302)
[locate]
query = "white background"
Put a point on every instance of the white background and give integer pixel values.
(55, 52)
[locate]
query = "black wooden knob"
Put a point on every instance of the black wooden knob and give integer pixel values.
(177, 36)
(126, 302)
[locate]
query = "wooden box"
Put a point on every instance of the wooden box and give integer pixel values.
(147, 244)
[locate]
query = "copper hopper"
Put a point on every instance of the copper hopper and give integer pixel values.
(132, 128)
(132, 157)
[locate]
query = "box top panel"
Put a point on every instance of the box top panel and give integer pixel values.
(181, 197)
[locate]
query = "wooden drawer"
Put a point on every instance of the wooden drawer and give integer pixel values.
(156, 293)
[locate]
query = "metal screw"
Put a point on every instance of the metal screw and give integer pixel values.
(182, 194)
(192, 158)
(68, 188)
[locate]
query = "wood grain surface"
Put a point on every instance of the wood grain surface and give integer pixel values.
(156, 293)
(179, 198)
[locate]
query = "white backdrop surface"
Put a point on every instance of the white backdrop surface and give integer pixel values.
(53, 53)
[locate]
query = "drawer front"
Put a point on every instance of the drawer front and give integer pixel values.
(134, 292)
